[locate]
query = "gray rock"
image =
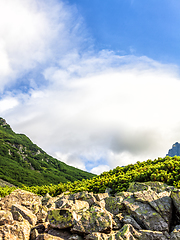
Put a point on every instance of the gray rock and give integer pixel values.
(152, 235)
(126, 232)
(130, 220)
(155, 186)
(175, 195)
(145, 215)
(160, 202)
(142, 214)
(26, 213)
(96, 236)
(61, 219)
(175, 234)
(75, 237)
(94, 219)
(114, 204)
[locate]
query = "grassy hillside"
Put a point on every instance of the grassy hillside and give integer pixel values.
(29, 167)
(165, 170)
(22, 162)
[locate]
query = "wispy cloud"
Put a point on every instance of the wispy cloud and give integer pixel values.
(33, 34)
(91, 105)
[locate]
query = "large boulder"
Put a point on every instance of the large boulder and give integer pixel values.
(160, 202)
(61, 218)
(94, 219)
(26, 213)
(24, 198)
(48, 202)
(155, 186)
(114, 204)
(16, 231)
(145, 215)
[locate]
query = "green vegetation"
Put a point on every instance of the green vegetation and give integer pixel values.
(4, 191)
(165, 170)
(27, 166)
(24, 163)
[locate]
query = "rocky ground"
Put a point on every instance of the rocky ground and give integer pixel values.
(147, 211)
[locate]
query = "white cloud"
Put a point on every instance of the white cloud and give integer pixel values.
(7, 104)
(92, 106)
(34, 33)
(120, 115)
(71, 160)
(100, 169)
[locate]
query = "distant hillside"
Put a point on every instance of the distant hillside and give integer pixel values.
(22, 162)
(174, 151)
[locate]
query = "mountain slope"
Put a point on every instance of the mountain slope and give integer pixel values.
(22, 162)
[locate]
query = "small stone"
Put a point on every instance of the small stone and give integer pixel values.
(101, 196)
(75, 237)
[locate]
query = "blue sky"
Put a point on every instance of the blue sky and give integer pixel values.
(94, 83)
(148, 28)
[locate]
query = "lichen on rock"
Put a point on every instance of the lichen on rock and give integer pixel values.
(149, 211)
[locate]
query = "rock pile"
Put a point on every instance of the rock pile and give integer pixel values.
(147, 211)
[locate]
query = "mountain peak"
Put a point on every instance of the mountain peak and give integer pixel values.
(175, 150)
(2, 121)
(4, 124)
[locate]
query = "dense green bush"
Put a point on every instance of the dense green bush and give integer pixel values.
(6, 190)
(165, 170)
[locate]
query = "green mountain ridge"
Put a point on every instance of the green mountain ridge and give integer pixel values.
(23, 163)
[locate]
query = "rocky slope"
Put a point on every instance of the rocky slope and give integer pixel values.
(147, 211)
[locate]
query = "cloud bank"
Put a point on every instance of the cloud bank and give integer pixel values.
(92, 110)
